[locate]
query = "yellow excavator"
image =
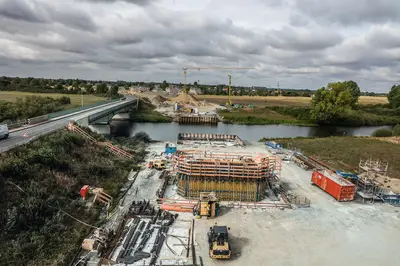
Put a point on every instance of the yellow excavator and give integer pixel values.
(218, 242)
(157, 164)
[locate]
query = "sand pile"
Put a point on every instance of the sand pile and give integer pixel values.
(158, 100)
(185, 98)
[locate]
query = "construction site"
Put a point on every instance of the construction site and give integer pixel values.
(278, 206)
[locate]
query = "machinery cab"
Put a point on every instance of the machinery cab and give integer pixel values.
(219, 246)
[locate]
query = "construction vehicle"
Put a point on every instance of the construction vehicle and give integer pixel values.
(157, 164)
(219, 247)
(207, 206)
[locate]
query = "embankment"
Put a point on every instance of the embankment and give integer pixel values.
(40, 183)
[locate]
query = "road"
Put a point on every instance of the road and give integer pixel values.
(17, 138)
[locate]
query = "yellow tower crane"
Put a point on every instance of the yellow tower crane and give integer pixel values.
(229, 103)
(185, 69)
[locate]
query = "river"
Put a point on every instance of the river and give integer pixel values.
(169, 131)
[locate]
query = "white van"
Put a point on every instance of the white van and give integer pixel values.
(3, 131)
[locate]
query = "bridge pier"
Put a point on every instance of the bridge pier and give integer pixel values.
(101, 129)
(121, 116)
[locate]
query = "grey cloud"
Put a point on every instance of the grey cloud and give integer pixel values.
(349, 12)
(156, 43)
(39, 12)
(20, 10)
(384, 37)
(303, 40)
(136, 2)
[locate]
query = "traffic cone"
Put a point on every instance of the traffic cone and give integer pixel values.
(25, 135)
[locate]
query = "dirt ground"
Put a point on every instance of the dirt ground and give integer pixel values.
(327, 233)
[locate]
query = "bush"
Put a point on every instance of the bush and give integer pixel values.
(382, 132)
(64, 100)
(396, 130)
(142, 136)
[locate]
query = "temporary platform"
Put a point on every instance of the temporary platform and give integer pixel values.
(232, 176)
(210, 137)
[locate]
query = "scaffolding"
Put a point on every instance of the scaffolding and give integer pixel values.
(232, 176)
(369, 187)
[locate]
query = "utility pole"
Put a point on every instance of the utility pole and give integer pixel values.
(81, 98)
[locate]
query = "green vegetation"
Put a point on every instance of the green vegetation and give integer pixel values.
(394, 96)
(31, 106)
(396, 130)
(64, 86)
(259, 116)
(362, 116)
(39, 182)
(345, 152)
(382, 132)
(328, 103)
(146, 113)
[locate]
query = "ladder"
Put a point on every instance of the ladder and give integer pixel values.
(111, 148)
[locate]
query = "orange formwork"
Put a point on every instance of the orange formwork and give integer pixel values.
(232, 176)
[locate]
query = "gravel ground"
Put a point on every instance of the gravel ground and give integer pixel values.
(327, 233)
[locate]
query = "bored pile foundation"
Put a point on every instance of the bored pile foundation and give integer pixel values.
(232, 176)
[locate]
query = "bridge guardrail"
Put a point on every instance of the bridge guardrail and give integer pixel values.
(77, 109)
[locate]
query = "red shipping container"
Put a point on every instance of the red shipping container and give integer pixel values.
(338, 187)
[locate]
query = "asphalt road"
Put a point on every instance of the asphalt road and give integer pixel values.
(17, 138)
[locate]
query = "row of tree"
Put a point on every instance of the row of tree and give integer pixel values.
(110, 88)
(66, 86)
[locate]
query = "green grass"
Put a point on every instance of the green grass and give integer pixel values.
(146, 113)
(342, 151)
(76, 100)
(259, 116)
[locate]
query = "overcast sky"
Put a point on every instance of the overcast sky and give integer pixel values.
(298, 43)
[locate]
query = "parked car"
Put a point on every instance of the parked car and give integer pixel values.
(4, 131)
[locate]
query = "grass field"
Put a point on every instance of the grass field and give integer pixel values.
(258, 116)
(11, 96)
(345, 152)
(278, 100)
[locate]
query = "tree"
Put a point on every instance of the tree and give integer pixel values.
(101, 88)
(351, 86)
(394, 96)
(164, 85)
(328, 104)
(396, 130)
(113, 91)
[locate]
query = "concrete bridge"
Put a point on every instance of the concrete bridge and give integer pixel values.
(99, 122)
(97, 118)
